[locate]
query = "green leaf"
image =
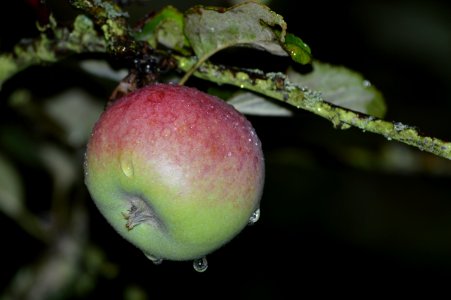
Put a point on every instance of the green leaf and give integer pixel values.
(299, 51)
(11, 189)
(210, 30)
(165, 28)
(253, 104)
(342, 87)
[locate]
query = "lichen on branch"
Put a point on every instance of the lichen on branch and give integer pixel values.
(277, 86)
(83, 38)
(113, 22)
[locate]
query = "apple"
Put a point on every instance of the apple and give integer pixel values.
(176, 172)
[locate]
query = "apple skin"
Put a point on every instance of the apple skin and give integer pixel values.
(175, 171)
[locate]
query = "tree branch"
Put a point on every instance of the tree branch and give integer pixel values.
(277, 86)
(43, 50)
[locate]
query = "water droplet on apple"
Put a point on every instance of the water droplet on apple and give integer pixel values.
(155, 260)
(85, 164)
(200, 264)
(254, 217)
(127, 167)
(166, 132)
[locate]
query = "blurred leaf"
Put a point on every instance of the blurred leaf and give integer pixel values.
(95, 266)
(166, 28)
(20, 97)
(343, 87)
(19, 143)
(134, 292)
(76, 111)
(102, 69)
(253, 104)
(59, 268)
(210, 30)
(59, 164)
(11, 189)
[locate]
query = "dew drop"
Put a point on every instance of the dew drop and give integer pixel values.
(229, 154)
(254, 217)
(200, 264)
(166, 132)
(155, 260)
(366, 83)
(85, 165)
(127, 167)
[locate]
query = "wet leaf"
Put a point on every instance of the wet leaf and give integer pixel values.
(11, 189)
(210, 30)
(253, 104)
(299, 51)
(343, 87)
(165, 28)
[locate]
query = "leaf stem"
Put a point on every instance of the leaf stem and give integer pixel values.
(190, 72)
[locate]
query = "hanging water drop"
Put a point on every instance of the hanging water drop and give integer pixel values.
(200, 264)
(366, 83)
(155, 260)
(254, 217)
(127, 167)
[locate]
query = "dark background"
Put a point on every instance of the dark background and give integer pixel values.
(343, 212)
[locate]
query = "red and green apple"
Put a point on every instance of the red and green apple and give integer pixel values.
(176, 172)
